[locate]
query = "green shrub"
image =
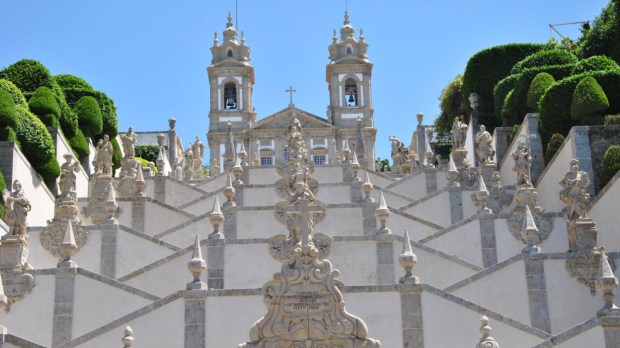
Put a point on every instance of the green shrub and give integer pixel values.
(108, 109)
(603, 34)
(8, 113)
(79, 145)
(37, 143)
(554, 145)
(148, 152)
(593, 64)
(89, 116)
(443, 149)
(611, 164)
(487, 67)
(513, 133)
(589, 99)
(43, 104)
(508, 114)
(117, 157)
(49, 170)
(2, 187)
(8, 134)
(544, 58)
(16, 94)
(501, 91)
(612, 119)
(539, 85)
(145, 164)
(69, 81)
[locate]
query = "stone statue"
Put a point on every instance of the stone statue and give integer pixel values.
(198, 149)
(484, 150)
(67, 183)
(103, 158)
(188, 167)
(459, 133)
(523, 162)
(574, 192)
(16, 208)
(129, 140)
(474, 101)
(215, 168)
(395, 153)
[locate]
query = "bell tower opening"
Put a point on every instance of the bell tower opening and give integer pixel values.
(350, 96)
(230, 96)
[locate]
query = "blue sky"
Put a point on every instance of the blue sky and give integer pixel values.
(151, 56)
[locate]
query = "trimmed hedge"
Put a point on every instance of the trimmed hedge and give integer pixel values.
(612, 119)
(554, 145)
(8, 134)
(589, 99)
(108, 109)
(487, 67)
(501, 91)
(43, 104)
(8, 113)
(147, 152)
(555, 104)
(508, 109)
(37, 144)
(611, 164)
(89, 116)
(16, 94)
(117, 157)
(593, 64)
(79, 145)
(539, 85)
(69, 81)
(2, 187)
(544, 58)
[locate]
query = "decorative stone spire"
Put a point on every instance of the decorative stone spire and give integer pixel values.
(382, 214)
(346, 151)
(367, 188)
(347, 31)
(453, 173)
(529, 232)
(355, 167)
(68, 247)
(140, 184)
(216, 42)
(243, 155)
(111, 206)
(237, 170)
(196, 266)
(230, 33)
(128, 338)
(482, 196)
(334, 38)
(229, 192)
(408, 260)
(428, 154)
(216, 218)
(606, 284)
(360, 146)
(486, 341)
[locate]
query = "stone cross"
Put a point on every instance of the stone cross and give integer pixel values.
(305, 211)
(290, 91)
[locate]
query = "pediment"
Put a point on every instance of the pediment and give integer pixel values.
(282, 118)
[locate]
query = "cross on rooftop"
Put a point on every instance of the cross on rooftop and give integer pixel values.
(290, 90)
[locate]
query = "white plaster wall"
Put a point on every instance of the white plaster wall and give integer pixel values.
(9, 345)
(376, 179)
(558, 239)
(503, 291)
(416, 230)
(342, 222)
(469, 207)
(4, 228)
(547, 185)
(442, 180)
(413, 186)
(462, 242)
(262, 176)
(133, 253)
(149, 330)
(206, 205)
(158, 219)
(62, 148)
(124, 218)
(248, 266)
(356, 260)
(435, 210)
(259, 224)
(32, 317)
(326, 175)
(508, 246)
(94, 297)
(231, 319)
(607, 222)
(35, 191)
(595, 337)
(178, 194)
(381, 313)
(505, 169)
(213, 184)
(149, 189)
(334, 194)
(89, 256)
(38, 257)
(186, 235)
(261, 196)
(570, 303)
(168, 277)
(390, 199)
(447, 324)
(469, 143)
(432, 269)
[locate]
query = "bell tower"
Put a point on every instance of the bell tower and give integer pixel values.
(348, 76)
(231, 81)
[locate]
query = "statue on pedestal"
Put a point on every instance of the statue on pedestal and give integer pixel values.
(574, 192)
(67, 183)
(484, 149)
(16, 208)
(523, 163)
(459, 133)
(103, 158)
(129, 140)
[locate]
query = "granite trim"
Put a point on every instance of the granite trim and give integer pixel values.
(537, 293)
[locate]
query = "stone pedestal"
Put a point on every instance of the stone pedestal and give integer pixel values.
(129, 173)
(14, 252)
(487, 170)
(197, 174)
(527, 195)
(99, 193)
(51, 237)
(459, 155)
(582, 234)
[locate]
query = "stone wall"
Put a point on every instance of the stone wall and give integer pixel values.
(601, 137)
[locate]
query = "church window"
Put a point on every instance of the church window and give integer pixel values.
(230, 96)
(350, 90)
(349, 50)
(229, 53)
(287, 155)
(319, 159)
(266, 161)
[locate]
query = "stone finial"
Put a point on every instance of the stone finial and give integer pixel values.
(367, 188)
(229, 192)
(486, 341)
(529, 232)
(4, 301)
(216, 218)
(256, 159)
(482, 196)
(428, 154)
(382, 214)
(140, 184)
(355, 167)
(420, 117)
(453, 173)
(243, 155)
(196, 266)
(68, 247)
(128, 338)
(408, 260)
(237, 170)
(111, 206)
(346, 151)
(606, 284)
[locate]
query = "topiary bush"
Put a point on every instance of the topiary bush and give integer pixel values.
(43, 104)
(148, 152)
(89, 116)
(8, 134)
(593, 64)
(544, 58)
(2, 187)
(66, 81)
(79, 145)
(612, 119)
(500, 91)
(589, 99)
(487, 67)
(539, 85)
(8, 113)
(16, 94)
(117, 157)
(108, 109)
(611, 164)
(508, 109)
(554, 145)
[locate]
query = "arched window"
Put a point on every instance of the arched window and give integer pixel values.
(350, 92)
(349, 50)
(230, 96)
(229, 53)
